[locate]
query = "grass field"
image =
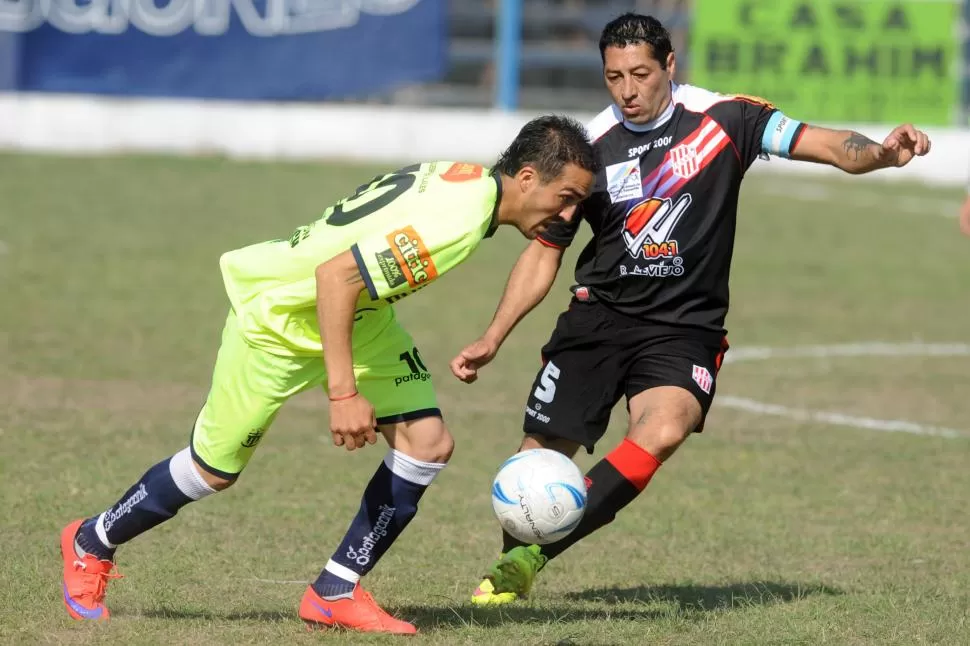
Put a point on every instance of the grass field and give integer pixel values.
(767, 529)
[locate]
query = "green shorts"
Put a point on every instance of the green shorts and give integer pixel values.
(250, 384)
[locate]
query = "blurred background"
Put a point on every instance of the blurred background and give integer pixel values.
(824, 60)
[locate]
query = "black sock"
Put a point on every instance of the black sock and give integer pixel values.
(612, 484)
(509, 542)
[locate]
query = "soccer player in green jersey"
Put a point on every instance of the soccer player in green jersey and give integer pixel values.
(315, 310)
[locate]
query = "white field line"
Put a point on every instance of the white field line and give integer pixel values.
(837, 419)
(872, 349)
(808, 191)
(869, 349)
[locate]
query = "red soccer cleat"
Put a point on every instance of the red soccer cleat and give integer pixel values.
(85, 579)
(360, 613)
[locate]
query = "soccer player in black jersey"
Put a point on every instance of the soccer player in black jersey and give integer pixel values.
(647, 317)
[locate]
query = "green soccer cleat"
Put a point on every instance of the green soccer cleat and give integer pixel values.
(485, 595)
(511, 577)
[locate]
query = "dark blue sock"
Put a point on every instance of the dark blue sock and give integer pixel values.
(157, 496)
(390, 502)
(87, 539)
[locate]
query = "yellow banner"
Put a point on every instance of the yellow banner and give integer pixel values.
(869, 61)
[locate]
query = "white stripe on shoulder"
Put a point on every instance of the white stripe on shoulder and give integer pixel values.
(697, 99)
(603, 122)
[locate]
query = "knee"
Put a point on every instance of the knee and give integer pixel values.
(433, 443)
(660, 439)
(670, 435)
(440, 451)
(217, 483)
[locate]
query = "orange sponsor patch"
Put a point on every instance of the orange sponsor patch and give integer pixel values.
(461, 172)
(412, 256)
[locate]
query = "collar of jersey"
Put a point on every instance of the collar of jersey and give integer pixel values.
(493, 225)
(656, 123)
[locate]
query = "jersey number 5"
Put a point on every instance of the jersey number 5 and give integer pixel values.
(396, 184)
(546, 390)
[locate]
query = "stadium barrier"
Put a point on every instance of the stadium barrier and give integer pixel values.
(79, 124)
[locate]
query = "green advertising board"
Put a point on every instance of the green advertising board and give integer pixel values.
(869, 61)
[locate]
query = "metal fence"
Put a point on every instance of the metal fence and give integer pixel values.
(543, 55)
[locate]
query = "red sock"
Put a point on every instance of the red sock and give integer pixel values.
(634, 463)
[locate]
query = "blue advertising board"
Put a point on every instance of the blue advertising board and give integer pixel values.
(224, 49)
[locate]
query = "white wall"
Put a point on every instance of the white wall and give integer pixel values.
(97, 125)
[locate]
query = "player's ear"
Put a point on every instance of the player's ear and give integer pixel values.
(527, 178)
(671, 64)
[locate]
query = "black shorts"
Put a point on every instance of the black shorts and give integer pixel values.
(595, 356)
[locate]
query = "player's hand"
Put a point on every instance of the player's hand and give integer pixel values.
(472, 357)
(965, 216)
(353, 422)
(902, 144)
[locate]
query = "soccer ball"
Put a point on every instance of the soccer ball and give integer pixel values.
(539, 496)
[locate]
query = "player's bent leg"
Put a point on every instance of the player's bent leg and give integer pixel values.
(88, 546)
(511, 576)
(248, 387)
(661, 418)
(563, 413)
(419, 450)
(391, 375)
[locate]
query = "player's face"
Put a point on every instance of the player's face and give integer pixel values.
(546, 202)
(639, 85)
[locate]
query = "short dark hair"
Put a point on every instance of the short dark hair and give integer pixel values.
(634, 29)
(547, 144)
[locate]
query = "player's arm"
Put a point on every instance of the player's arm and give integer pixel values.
(339, 284)
(855, 153)
(965, 215)
(530, 280)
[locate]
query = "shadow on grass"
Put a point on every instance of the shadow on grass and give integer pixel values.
(708, 597)
(268, 616)
(431, 617)
(639, 603)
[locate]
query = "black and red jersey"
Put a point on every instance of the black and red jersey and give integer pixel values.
(664, 208)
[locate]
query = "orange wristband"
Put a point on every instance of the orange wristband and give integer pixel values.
(340, 398)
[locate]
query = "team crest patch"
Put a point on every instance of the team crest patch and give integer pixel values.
(703, 378)
(412, 256)
(623, 181)
(684, 162)
(460, 172)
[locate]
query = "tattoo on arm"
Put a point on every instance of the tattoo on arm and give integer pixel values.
(855, 144)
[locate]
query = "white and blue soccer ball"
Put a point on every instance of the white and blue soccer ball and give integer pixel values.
(539, 496)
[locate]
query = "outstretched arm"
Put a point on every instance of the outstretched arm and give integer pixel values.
(855, 153)
(530, 281)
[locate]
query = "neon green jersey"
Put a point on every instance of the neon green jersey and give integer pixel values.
(405, 229)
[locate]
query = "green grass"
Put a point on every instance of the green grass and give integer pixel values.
(763, 530)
